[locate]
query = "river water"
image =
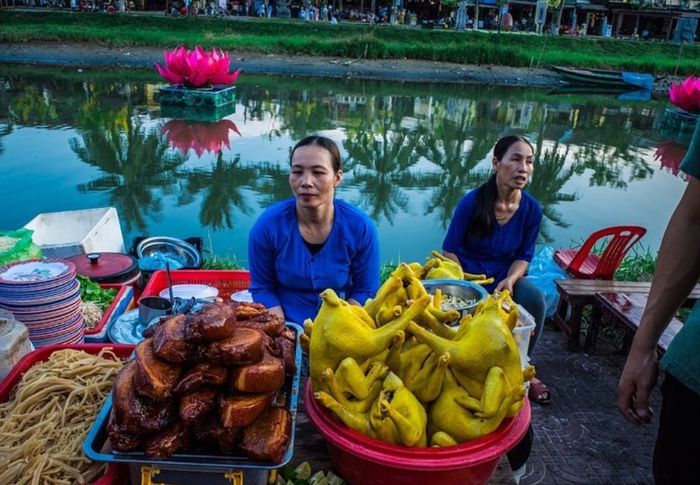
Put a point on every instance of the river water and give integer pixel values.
(72, 139)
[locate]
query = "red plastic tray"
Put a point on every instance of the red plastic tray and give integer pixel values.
(226, 281)
(114, 474)
(100, 327)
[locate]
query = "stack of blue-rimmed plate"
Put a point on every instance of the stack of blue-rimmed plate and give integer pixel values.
(45, 296)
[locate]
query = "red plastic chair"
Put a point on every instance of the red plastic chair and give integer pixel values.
(581, 263)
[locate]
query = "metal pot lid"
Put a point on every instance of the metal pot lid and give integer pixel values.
(106, 267)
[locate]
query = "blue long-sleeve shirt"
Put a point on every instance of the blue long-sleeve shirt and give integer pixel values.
(283, 272)
(493, 255)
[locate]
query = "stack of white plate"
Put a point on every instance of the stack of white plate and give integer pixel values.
(45, 296)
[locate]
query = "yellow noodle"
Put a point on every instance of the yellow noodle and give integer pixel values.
(43, 425)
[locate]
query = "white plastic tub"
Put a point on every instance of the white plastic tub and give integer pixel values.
(69, 233)
(522, 334)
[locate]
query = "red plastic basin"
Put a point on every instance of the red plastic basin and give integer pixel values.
(362, 460)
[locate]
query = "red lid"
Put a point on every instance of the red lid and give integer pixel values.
(106, 267)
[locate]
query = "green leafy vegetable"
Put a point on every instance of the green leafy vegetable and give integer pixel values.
(91, 291)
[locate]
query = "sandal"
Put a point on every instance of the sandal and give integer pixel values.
(539, 393)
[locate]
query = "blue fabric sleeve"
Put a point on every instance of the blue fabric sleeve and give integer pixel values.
(261, 262)
(457, 231)
(532, 229)
(691, 161)
(365, 266)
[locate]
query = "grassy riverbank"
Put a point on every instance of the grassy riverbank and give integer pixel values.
(348, 40)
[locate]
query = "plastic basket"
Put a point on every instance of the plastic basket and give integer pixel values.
(123, 300)
(360, 459)
(226, 281)
(114, 474)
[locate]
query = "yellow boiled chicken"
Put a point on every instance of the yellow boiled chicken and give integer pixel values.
(456, 416)
(340, 331)
(396, 416)
(484, 342)
(355, 387)
(420, 369)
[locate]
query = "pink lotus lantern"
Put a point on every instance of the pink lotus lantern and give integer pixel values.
(686, 95)
(201, 137)
(671, 155)
(197, 68)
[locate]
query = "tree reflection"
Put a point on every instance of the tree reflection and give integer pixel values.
(547, 181)
(379, 153)
(135, 162)
(223, 186)
(444, 145)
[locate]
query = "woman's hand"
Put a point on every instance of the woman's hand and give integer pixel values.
(507, 284)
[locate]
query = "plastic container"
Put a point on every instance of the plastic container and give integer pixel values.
(522, 333)
(226, 281)
(123, 301)
(362, 460)
(14, 342)
(65, 234)
(114, 475)
(197, 467)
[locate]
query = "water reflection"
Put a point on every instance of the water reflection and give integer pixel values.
(410, 151)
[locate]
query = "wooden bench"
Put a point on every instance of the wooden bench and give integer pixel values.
(626, 309)
(575, 294)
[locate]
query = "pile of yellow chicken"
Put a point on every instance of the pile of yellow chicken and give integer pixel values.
(395, 370)
(440, 267)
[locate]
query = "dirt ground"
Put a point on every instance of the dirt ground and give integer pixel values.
(403, 70)
(80, 54)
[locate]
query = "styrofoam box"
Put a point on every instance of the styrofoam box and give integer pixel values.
(69, 233)
(522, 334)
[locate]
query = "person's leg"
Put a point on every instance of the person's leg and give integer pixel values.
(532, 299)
(676, 448)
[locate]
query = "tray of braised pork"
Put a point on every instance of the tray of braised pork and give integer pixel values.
(215, 389)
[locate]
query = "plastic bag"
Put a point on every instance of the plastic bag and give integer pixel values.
(542, 272)
(17, 246)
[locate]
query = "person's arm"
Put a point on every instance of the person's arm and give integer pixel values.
(457, 230)
(261, 261)
(518, 268)
(365, 268)
(677, 272)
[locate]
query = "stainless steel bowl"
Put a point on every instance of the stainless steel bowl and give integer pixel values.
(458, 289)
(172, 248)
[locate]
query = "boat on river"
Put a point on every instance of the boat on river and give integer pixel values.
(608, 78)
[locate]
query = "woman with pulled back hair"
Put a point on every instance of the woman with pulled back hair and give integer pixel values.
(493, 232)
(312, 241)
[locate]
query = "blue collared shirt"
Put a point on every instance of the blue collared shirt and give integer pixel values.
(283, 272)
(493, 255)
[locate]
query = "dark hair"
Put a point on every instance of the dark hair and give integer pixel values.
(322, 142)
(484, 219)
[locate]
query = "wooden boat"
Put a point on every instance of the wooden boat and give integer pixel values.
(600, 77)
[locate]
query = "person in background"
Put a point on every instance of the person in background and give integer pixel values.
(303, 245)
(677, 272)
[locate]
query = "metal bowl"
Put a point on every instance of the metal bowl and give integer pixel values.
(157, 250)
(459, 289)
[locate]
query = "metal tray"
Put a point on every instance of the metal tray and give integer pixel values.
(98, 448)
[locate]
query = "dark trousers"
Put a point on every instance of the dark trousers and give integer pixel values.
(677, 446)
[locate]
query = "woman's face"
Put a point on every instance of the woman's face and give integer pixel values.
(312, 177)
(515, 168)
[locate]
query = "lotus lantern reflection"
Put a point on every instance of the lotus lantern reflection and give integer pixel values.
(201, 137)
(686, 95)
(671, 155)
(197, 68)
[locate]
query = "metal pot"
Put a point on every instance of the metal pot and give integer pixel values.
(153, 252)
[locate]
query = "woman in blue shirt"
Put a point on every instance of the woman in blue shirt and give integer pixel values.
(493, 231)
(304, 245)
